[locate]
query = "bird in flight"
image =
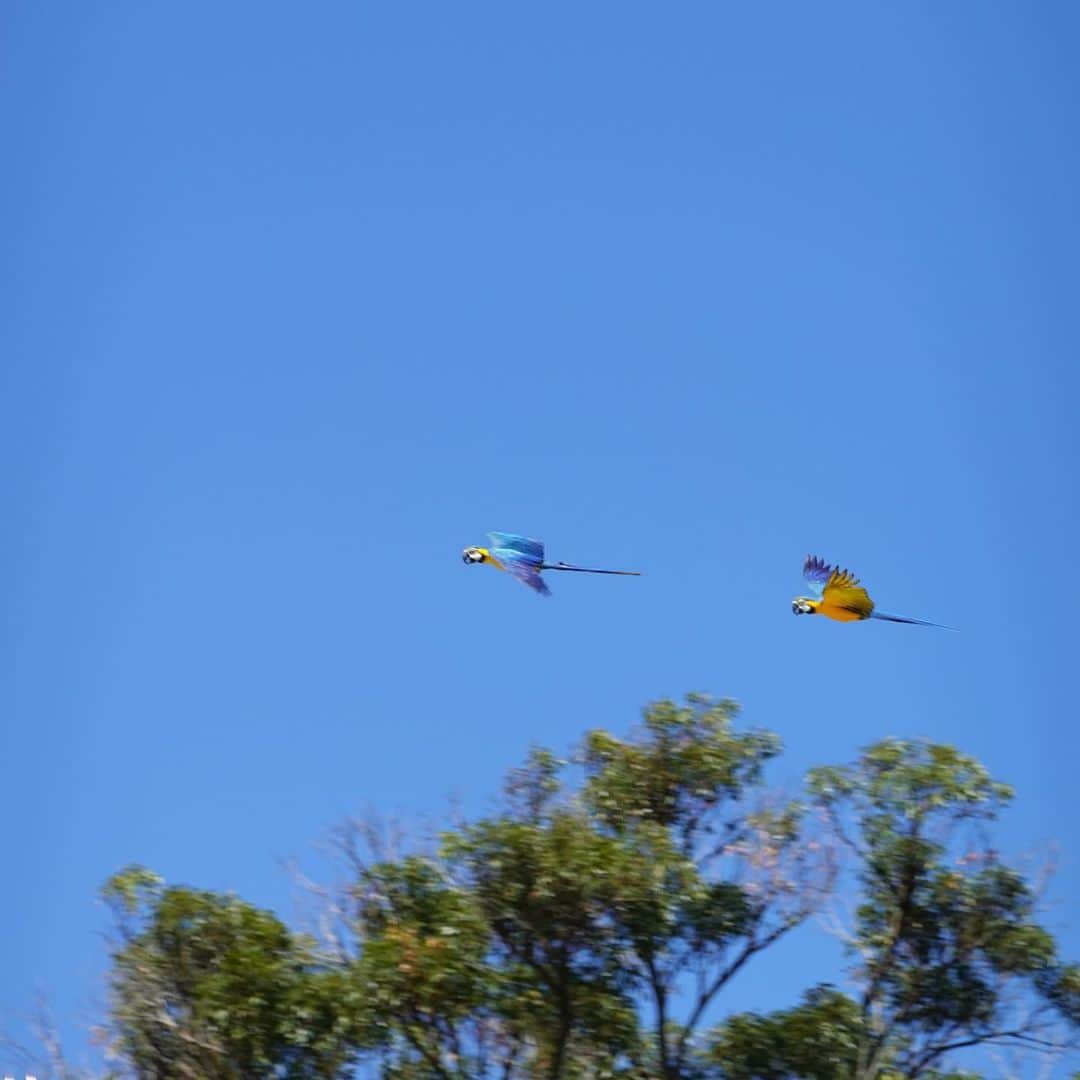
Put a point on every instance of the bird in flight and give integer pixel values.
(838, 595)
(524, 559)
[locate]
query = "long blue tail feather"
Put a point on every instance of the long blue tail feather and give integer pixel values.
(588, 570)
(913, 622)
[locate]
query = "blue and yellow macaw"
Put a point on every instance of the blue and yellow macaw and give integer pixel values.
(524, 559)
(838, 595)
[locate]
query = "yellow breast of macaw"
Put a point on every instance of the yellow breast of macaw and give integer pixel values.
(489, 558)
(832, 610)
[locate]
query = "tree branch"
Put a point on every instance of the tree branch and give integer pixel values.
(751, 948)
(660, 997)
(1008, 1038)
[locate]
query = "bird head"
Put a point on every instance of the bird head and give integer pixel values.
(474, 555)
(801, 606)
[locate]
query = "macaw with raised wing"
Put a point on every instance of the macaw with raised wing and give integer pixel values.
(838, 595)
(524, 559)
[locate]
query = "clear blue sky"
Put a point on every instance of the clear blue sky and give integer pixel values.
(298, 302)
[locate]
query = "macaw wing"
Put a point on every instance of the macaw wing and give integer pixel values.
(524, 567)
(843, 590)
(522, 545)
(817, 573)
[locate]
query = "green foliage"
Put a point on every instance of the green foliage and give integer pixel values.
(130, 889)
(1060, 984)
(946, 933)
(709, 879)
(206, 985)
(547, 889)
(683, 763)
(423, 968)
(818, 1039)
(597, 922)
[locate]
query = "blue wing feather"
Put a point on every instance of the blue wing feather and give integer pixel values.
(522, 545)
(817, 573)
(525, 569)
(522, 557)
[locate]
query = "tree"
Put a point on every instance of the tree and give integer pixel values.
(717, 877)
(596, 925)
(205, 985)
(949, 954)
(818, 1039)
(662, 874)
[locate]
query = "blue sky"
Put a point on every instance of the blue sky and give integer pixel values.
(296, 304)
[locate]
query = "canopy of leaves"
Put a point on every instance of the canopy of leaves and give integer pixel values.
(951, 955)
(596, 924)
(205, 985)
(818, 1039)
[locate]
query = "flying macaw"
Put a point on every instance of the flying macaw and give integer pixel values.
(838, 595)
(524, 559)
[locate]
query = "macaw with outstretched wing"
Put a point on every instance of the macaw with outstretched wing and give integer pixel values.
(838, 595)
(524, 559)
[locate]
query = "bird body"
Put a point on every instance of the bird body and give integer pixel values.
(524, 559)
(839, 596)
